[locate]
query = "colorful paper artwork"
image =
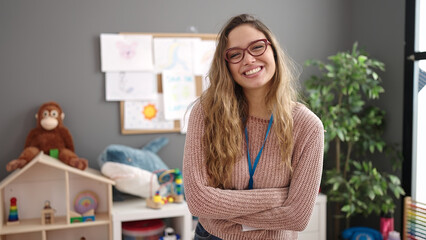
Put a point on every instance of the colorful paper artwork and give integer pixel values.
(133, 64)
(145, 115)
(120, 52)
(121, 86)
(174, 54)
(178, 93)
(204, 52)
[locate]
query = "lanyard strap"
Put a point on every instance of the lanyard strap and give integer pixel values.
(252, 169)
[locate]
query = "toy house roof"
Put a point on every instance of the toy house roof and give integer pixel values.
(42, 158)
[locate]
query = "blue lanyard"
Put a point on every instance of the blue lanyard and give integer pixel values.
(252, 169)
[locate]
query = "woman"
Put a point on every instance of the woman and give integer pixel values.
(253, 155)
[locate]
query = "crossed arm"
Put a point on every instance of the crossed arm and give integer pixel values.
(287, 208)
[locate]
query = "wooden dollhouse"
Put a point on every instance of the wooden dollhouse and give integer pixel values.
(45, 179)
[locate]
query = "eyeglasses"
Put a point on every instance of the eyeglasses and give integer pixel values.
(256, 48)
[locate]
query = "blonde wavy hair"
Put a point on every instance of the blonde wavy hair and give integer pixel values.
(225, 106)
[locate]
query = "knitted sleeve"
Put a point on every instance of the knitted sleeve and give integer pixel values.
(208, 202)
(296, 211)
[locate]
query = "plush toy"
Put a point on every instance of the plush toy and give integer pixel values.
(132, 169)
(51, 137)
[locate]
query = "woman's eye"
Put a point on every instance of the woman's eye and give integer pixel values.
(234, 55)
(257, 47)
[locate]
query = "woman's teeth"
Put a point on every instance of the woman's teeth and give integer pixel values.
(253, 71)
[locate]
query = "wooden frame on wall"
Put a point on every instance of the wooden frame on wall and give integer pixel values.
(198, 83)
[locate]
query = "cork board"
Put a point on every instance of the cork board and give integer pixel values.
(198, 84)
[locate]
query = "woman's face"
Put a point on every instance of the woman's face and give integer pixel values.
(251, 73)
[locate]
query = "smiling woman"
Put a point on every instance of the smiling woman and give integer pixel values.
(254, 70)
(248, 138)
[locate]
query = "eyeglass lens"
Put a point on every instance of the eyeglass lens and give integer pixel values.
(255, 49)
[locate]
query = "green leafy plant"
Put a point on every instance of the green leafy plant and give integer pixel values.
(342, 95)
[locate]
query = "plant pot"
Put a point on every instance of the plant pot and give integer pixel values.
(386, 225)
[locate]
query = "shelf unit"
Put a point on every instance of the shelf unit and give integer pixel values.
(135, 209)
(317, 228)
(46, 178)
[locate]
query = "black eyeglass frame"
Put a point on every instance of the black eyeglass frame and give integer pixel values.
(247, 49)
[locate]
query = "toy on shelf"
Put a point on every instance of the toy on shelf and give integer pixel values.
(131, 168)
(51, 137)
(85, 204)
(143, 229)
(13, 212)
(175, 193)
(169, 234)
(47, 214)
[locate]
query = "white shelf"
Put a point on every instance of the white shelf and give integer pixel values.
(317, 228)
(34, 225)
(135, 209)
(59, 183)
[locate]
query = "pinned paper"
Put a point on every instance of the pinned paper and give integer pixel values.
(120, 52)
(145, 115)
(178, 93)
(185, 120)
(174, 54)
(204, 52)
(121, 86)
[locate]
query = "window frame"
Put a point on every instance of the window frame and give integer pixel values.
(411, 56)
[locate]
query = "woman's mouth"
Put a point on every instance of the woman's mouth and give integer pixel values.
(253, 71)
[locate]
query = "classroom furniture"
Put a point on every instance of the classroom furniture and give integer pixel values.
(317, 226)
(135, 209)
(47, 179)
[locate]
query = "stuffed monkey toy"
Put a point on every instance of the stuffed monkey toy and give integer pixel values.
(51, 137)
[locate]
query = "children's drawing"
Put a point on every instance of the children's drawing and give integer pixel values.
(127, 50)
(178, 93)
(120, 52)
(174, 59)
(145, 115)
(149, 111)
(185, 120)
(204, 51)
(205, 82)
(174, 54)
(122, 86)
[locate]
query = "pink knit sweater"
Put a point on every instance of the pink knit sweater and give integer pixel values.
(280, 204)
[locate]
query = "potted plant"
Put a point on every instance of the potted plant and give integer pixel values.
(342, 95)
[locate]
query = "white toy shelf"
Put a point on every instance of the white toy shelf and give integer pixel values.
(47, 179)
(136, 209)
(317, 226)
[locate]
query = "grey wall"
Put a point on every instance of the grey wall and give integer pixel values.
(379, 27)
(49, 50)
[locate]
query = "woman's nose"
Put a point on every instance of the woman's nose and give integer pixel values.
(248, 58)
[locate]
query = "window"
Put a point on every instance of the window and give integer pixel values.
(419, 162)
(414, 166)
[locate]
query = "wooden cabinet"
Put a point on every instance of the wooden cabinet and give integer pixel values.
(47, 179)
